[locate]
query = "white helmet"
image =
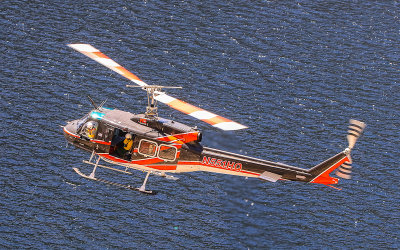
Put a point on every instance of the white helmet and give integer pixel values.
(128, 136)
(90, 125)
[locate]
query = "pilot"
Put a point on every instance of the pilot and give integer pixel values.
(126, 145)
(90, 130)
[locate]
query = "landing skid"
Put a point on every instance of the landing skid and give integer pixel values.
(96, 164)
(142, 190)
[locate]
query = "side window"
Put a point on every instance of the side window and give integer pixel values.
(108, 133)
(89, 130)
(167, 153)
(147, 148)
(81, 122)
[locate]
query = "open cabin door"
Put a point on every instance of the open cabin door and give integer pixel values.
(122, 143)
(142, 151)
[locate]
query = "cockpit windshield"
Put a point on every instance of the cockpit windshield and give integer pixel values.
(81, 122)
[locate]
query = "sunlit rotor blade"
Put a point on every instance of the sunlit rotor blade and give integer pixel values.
(354, 131)
(350, 161)
(342, 175)
(95, 54)
(344, 171)
(201, 114)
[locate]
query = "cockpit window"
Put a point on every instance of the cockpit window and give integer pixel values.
(81, 122)
(89, 130)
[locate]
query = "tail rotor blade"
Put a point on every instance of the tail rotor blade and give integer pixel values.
(354, 131)
(344, 171)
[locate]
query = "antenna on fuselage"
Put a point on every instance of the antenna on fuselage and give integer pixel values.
(95, 105)
(152, 92)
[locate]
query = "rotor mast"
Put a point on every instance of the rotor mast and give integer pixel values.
(152, 92)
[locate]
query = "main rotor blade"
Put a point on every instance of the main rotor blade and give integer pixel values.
(201, 114)
(95, 54)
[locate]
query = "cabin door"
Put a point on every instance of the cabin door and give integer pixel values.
(122, 144)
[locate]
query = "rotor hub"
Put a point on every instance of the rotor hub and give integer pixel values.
(152, 92)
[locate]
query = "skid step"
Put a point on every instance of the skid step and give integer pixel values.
(113, 183)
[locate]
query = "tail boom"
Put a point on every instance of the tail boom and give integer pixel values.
(321, 171)
(214, 160)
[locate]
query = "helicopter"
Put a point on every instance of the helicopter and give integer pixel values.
(160, 146)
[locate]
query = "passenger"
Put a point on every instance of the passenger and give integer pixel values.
(128, 142)
(90, 130)
(126, 146)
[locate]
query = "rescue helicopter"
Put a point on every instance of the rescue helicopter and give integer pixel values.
(160, 146)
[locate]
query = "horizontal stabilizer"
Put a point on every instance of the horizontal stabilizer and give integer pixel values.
(268, 176)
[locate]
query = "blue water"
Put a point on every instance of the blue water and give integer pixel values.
(295, 72)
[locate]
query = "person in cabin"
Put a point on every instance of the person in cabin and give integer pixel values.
(126, 146)
(90, 130)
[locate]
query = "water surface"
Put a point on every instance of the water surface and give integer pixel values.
(295, 72)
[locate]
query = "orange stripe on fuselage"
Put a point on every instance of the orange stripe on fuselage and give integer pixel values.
(170, 138)
(163, 167)
(100, 142)
(147, 161)
(189, 163)
(71, 134)
(180, 138)
(143, 162)
(110, 157)
(200, 164)
(139, 162)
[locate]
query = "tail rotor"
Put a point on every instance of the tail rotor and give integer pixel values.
(344, 171)
(354, 131)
